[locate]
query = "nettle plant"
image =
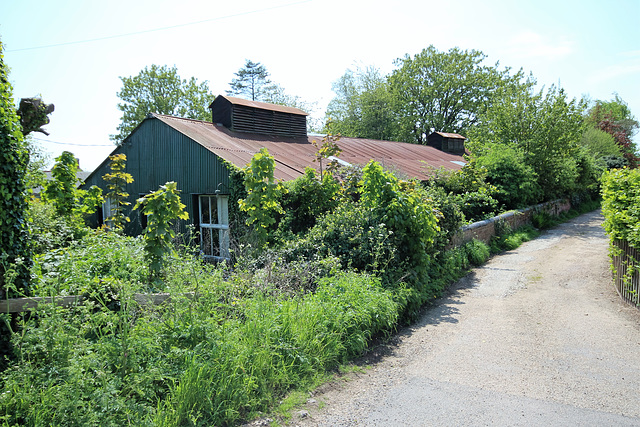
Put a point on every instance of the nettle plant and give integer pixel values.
(161, 207)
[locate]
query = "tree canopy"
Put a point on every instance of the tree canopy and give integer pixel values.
(363, 106)
(251, 82)
(614, 118)
(546, 126)
(159, 89)
(432, 91)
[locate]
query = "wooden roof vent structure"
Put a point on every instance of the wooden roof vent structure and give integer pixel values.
(241, 115)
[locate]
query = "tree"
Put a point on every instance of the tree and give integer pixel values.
(15, 255)
(614, 117)
(61, 189)
(161, 207)
(160, 90)
(261, 203)
(251, 82)
(363, 106)
(446, 91)
(116, 193)
(545, 126)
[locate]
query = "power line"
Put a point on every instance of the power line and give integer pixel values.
(70, 143)
(158, 29)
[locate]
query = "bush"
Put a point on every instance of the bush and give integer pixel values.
(515, 181)
(621, 205)
(477, 205)
(307, 198)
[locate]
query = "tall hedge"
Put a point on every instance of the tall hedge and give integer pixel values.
(621, 205)
(15, 257)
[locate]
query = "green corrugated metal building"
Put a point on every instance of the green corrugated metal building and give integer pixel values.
(198, 155)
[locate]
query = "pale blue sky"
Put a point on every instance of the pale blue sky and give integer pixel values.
(587, 47)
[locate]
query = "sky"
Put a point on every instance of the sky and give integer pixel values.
(72, 53)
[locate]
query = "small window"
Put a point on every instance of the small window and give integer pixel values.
(108, 208)
(214, 226)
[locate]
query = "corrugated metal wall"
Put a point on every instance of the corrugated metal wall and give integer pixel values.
(156, 154)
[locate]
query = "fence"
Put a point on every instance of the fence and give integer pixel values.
(17, 305)
(626, 271)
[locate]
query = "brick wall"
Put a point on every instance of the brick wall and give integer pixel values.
(485, 230)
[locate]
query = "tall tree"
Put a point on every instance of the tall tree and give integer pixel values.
(15, 253)
(363, 106)
(446, 91)
(160, 90)
(545, 126)
(252, 82)
(614, 117)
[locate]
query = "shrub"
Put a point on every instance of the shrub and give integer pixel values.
(515, 181)
(621, 205)
(307, 198)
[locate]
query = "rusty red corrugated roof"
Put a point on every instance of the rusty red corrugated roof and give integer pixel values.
(450, 135)
(264, 105)
(293, 155)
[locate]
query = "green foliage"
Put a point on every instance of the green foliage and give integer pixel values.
(446, 91)
(251, 81)
(621, 205)
(599, 143)
(82, 266)
(14, 231)
(328, 148)
(477, 252)
(544, 127)
(363, 106)
(510, 239)
(116, 181)
(515, 182)
(306, 199)
(467, 189)
(61, 190)
(161, 208)
(216, 359)
(407, 212)
(160, 90)
(477, 205)
(261, 203)
(49, 230)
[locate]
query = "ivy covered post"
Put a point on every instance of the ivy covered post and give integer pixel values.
(15, 258)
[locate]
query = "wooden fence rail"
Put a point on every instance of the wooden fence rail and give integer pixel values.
(626, 273)
(16, 305)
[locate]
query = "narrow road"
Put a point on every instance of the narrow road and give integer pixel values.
(537, 336)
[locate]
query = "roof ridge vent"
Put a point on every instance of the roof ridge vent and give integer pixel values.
(241, 115)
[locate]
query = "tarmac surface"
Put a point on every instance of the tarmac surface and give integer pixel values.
(536, 336)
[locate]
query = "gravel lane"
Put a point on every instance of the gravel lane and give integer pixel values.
(536, 336)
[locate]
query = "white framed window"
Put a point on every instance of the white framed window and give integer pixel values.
(214, 226)
(108, 207)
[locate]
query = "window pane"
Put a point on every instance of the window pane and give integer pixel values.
(223, 210)
(214, 210)
(205, 217)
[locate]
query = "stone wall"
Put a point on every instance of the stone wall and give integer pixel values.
(485, 230)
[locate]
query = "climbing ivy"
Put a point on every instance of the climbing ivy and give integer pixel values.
(15, 258)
